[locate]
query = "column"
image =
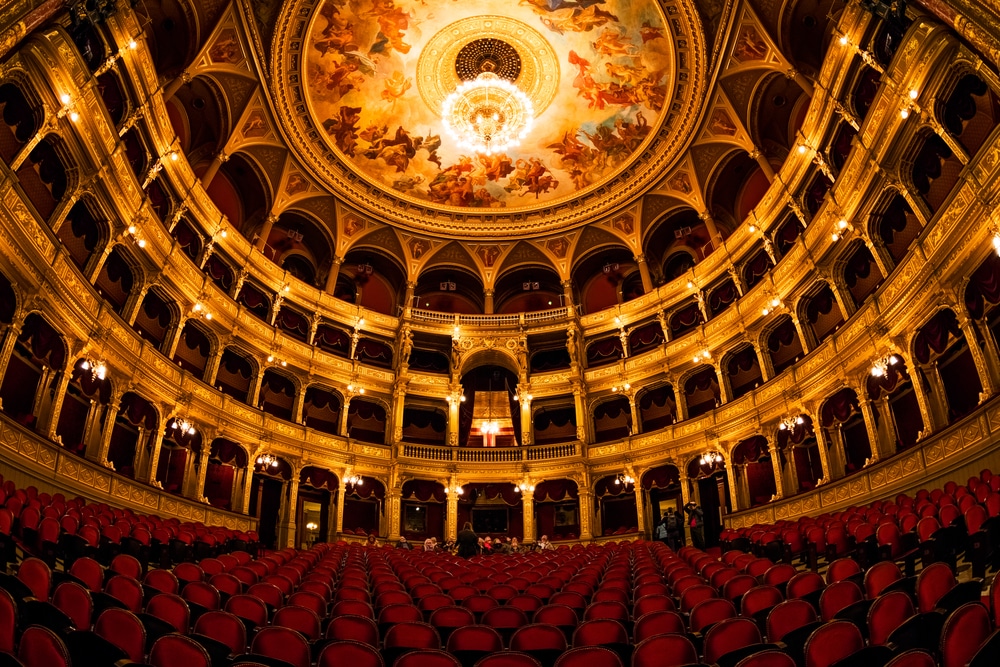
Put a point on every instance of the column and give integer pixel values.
(331, 277)
(451, 511)
(248, 482)
(681, 400)
(986, 377)
(640, 507)
(39, 404)
(212, 366)
(173, 338)
(527, 428)
(134, 302)
(879, 447)
(213, 168)
(580, 406)
(154, 457)
(57, 402)
(398, 406)
(453, 413)
(586, 501)
(175, 85)
(253, 395)
(843, 297)
(764, 361)
(236, 492)
(341, 492)
(393, 507)
(725, 394)
(199, 492)
(101, 455)
(779, 478)
(11, 333)
(940, 405)
(297, 404)
(488, 301)
(93, 414)
(806, 341)
(567, 286)
(265, 231)
(713, 230)
(647, 280)
(634, 412)
(923, 401)
(734, 495)
(891, 435)
(342, 426)
(803, 82)
(331, 518)
(763, 163)
(293, 508)
(824, 454)
(528, 516)
(990, 350)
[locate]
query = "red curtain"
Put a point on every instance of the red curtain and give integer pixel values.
(661, 477)
(423, 490)
(934, 336)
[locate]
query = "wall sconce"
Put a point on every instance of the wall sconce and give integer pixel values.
(788, 423)
(267, 461)
(710, 459)
(881, 366)
(624, 478)
(351, 388)
(623, 387)
(184, 425)
(841, 227)
(523, 487)
(704, 355)
(356, 480)
(312, 525)
(271, 359)
(817, 158)
(136, 234)
(910, 104)
(68, 108)
(865, 55)
(449, 398)
(201, 311)
(98, 368)
(457, 490)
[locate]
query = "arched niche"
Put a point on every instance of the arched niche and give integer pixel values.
(557, 510)
(423, 511)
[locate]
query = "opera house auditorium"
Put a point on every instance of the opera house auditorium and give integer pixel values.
(428, 333)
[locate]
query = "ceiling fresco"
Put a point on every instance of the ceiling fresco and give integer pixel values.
(599, 72)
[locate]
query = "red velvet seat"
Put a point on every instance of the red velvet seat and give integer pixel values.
(589, 656)
(202, 594)
(508, 659)
(887, 613)
(539, 640)
(304, 621)
(354, 654)
(8, 622)
(126, 590)
(90, 572)
(912, 658)
(127, 565)
(729, 635)
(249, 607)
(172, 609)
(268, 593)
(771, 658)
(74, 600)
(41, 647)
(879, 576)
(124, 630)
(787, 616)
(758, 599)
(803, 584)
(177, 651)
(832, 642)
(404, 637)
(472, 642)
(842, 568)
(710, 611)
(529, 604)
(37, 576)
(964, 632)
(932, 583)
(354, 628)
(611, 609)
(658, 623)
(664, 651)
(355, 607)
(427, 658)
(837, 596)
(223, 627)
(283, 644)
(691, 597)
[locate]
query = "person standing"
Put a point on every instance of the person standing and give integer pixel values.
(468, 542)
(660, 531)
(696, 519)
(674, 527)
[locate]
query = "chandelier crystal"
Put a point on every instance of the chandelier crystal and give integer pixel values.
(710, 459)
(487, 114)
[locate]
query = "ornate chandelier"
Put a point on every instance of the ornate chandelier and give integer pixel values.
(98, 369)
(267, 461)
(487, 114)
(881, 366)
(184, 425)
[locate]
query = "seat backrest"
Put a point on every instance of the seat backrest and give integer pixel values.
(759, 598)
(249, 607)
(37, 576)
(779, 574)
(171, 609)
(842, 568)
(298, 618)
(202, 594)
(267, 592)
(803, 584)
(600, 632)
(40, 647)
(710, 611)
(887, 613)
(606, 609)
(964, 632)
(162, 580)
(127, 565)
(126, 590)
(932, 583)
(355, 607)
(508, 659)
(8, 622)
(529, 604)
(696, 594)
(769, 658)
(354, 628)
(74, 600)
(728, 635)
(283, 644)
(177, 651)
(658, 623)
(879, 576)
(124, 630)
(664, 651)
(589, 656)
(399, 613)
(89, 571)
(412, 634)
(355, 654)
(538, 637)
(505, 618)
(913, 658)
(788, 616)
(832, 642)
(475, 638)
(224, 627)
(838, 595)
(427, 658)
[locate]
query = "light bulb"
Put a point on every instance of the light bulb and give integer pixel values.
(905, 113)
(131, 229)
(74, 116)
(802, 148)
(843, 40)
(913, 93)
(132, 44)
(842, 223)
(142, 243)
(65, 98)
(85, 365)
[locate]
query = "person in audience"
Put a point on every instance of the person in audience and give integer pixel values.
(675, 528)
(371, 542)
(660, 531)
(696, 519)
(403, 544)
(434, 543)
(515, 547)
(544, 544)
(468, 542)
(488, 546)
(429, 544)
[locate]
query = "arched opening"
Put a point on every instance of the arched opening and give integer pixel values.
(612, 419)
(241, 192)
(19, 121)
(600, 277)
(293, 323)
(557, 510)
(109, 87)
(712, 488)
(684, 319)
(663, 490)
(801, 465)
(736, 189)
(865, 90)
(116, 280)
(527, 289)
(549, 359)
(645, 337)
(616, 506)
(657, 408)
(300, 246)
(941, 340)
(554, 422)
(87, 397)
(220, 272)
(256, 300)
(373, 352)
(235, 375)
(721, 297)
(39, 353)
(845, 429)
(743, 372)
(155, 319)
(226, 475)
(197, 114)
(423, 510)
(81, 233)
(701, 391)
(841, 144)
(755, 268)
(188, 239)
(333, 340)
(815, 193)
(777, 110)
(934, 171)
(375, 279)
(43, 177)
(366, 421)
(896, 226)
(492, 509)
(970, 113)
(822, 313)
(861, 274)
(489, 400)
(364, 506)
(787, 232)
(425, 425)
(193, 349)
(267, 497)
(897, 411)
(604, 351)
(277, 395)
(321, 410)
(783, 344)
(753, 471)
(180, 455)
(132, 434)
(316, 509)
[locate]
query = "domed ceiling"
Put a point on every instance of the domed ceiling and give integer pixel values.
(615, 86)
